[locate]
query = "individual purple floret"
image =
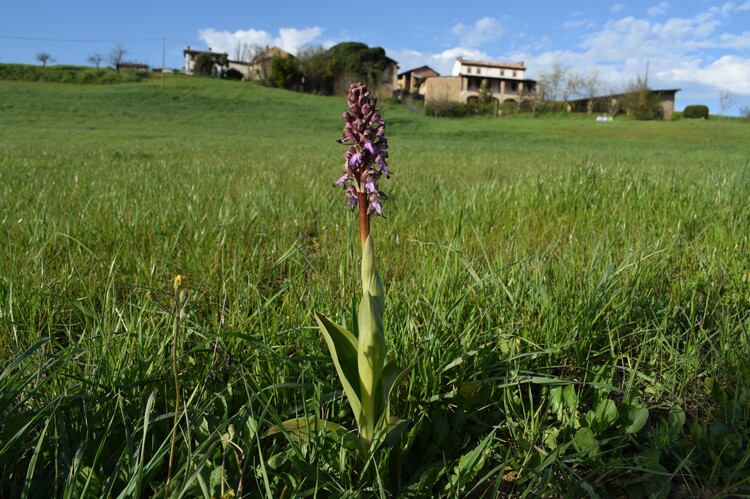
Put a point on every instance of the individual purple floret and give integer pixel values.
(365, 160)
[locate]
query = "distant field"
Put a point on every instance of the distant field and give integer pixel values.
(535, 269)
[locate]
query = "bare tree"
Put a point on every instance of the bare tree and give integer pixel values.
(727, 99)
(116, 56)
(95, 59)
(533, 98)
(44, 58)
(571, 86)
(555, 79)
(614, 99)
(550, 87)
(745, 112)
(590, 86)
(246, 52)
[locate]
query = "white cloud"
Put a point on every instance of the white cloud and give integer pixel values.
(617, 7)
(729, 71)
(697, 54)
(735, 42)
(409, 59)
(658, 10)
(441, 62)
(468, 38)
(485, 30)
(580, 23)
(289, 39)
(726, 8)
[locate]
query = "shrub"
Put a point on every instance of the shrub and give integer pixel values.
(643, 104)
(507, 108)
(285, 72)
(696, 111)
(204, 65)
(20, 72)
(233, 74)
(450, 109)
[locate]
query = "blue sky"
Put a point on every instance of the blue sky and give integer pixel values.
(698, 46)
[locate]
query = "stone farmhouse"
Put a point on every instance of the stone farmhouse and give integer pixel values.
(259, 69)
(218, 58)
(506, 81)
(412, 81)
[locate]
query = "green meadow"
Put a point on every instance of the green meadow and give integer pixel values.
(574, 297)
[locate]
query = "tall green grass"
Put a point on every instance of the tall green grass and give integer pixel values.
(552, 279)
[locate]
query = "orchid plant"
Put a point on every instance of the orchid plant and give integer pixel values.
(367, 374)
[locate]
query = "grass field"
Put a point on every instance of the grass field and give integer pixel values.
(574, 297)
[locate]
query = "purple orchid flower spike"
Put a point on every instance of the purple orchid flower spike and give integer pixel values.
(365, 160)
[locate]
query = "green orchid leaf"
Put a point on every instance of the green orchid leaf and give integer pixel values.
(393, 375)
(301, 429)
(370, 361)
(370, 278)
(343, 347)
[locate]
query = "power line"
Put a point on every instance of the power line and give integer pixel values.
(90, 40)
(77, 40)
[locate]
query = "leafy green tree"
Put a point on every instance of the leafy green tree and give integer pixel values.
(204, 65)
(356, 61)
(317, 69)
(334, 70)
(285, 72)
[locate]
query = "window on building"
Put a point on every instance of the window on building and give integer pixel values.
(502, 72)
(479, 70)
(514, 74)
(468, 70)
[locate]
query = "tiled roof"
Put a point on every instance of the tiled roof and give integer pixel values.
(490, 64)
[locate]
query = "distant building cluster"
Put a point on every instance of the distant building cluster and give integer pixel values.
(505, 82)
(470, 81)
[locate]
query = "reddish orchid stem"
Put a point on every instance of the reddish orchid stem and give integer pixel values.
(364, 217)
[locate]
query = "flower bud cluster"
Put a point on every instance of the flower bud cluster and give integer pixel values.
(365, 160)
